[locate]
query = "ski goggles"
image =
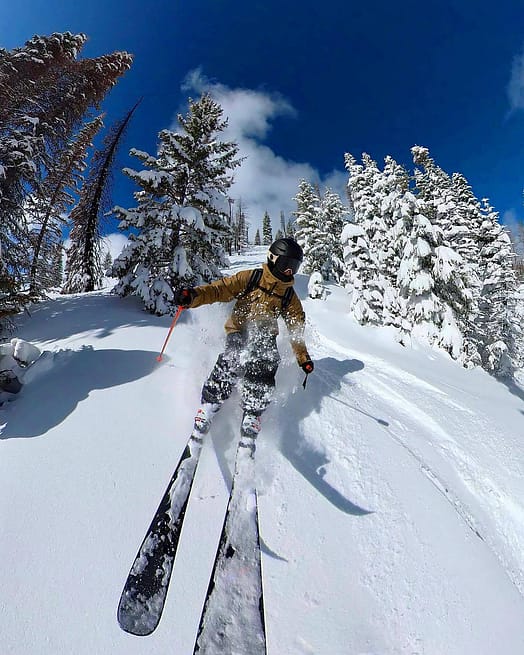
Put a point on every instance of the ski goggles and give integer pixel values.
(283, 263)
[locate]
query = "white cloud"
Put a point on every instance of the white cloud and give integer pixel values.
(114, 244)
(265, 181)
(516, 84)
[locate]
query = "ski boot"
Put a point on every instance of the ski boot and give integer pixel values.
(204, 417)
(251, 425)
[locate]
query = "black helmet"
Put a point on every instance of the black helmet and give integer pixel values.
(284, 255)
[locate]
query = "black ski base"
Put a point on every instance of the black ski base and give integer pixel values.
(144, 594)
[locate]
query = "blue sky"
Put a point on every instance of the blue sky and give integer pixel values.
(304, 82)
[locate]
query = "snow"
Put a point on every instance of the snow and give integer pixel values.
(350, 231)
(233, 620)
(391, 489)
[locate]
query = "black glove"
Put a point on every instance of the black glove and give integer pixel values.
(308, 367)
(184, 297)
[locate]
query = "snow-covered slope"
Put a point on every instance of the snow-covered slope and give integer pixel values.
(391, 488)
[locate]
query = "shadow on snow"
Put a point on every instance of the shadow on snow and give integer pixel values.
(67, 379)
(308, 461)
(514, 388)
(98, 313)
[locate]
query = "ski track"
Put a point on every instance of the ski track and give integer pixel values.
(337, 447)
(380, 384)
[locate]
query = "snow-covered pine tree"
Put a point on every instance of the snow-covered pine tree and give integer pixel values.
(364, 206)
(360, 276)
(333, 216)
(45, 93)
(177, 222)
(368, 209)
(56, 268)
(84, 267)
(283, 224)
(307, 224)
(267, 230)
(463, 237)
(10, 301)
(396, 211)
(430, 282)
(49, 204)
(107, 262)
(240, 227)
(503, 347)
(462, 233)
(451, 206)
(454, 208)
(29, 109)
(258, 241)
(14, 244)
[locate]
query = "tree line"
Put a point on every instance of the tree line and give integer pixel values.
(49, 98)
(417, 251)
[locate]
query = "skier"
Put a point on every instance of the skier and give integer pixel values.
(251, 333)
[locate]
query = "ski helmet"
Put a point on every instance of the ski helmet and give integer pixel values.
(284, 255)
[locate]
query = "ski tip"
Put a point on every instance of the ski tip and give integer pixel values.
(135, 620)
(134, 628)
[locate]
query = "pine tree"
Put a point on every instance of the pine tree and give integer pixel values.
(436, 260)
(107, 262)
(283, 224)
(333, 216)
(396, 211)
(364, 205)
(84, 268)
(307, 222)
(24, 75)
(267, 231)
(463, 233)
(45, 94)
(240, 240)
(176, 225)
(257, 238)
(11, 301)
(449, 204)
(430, 283)
(56, 268)
(51, 201)
(502, 338)
(360, 275)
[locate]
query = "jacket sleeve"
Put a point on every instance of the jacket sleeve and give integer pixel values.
(223, 290)
(295, 320)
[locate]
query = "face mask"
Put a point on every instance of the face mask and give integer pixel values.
(285, 266)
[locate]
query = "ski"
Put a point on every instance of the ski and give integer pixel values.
(144, 594)
(232, 619)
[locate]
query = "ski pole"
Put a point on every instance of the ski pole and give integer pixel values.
(175, 319)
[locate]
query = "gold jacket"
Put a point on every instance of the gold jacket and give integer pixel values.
(262, 306)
